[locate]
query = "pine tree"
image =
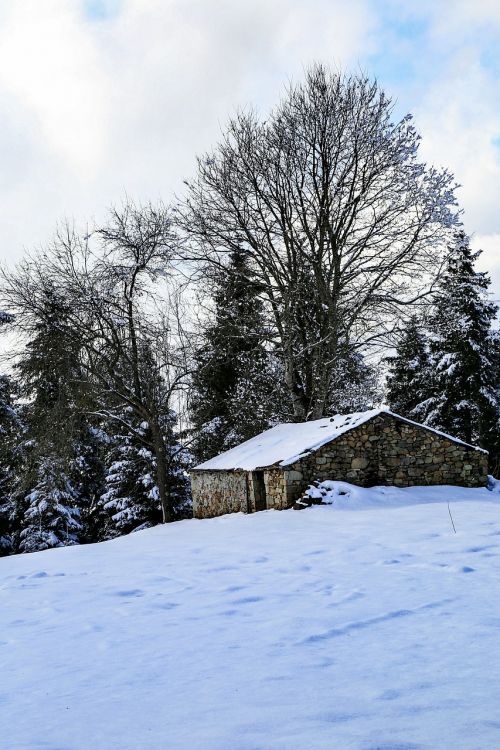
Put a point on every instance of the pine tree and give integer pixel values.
(355, 385)
(47, 497)
(131, 497)
(86, 471)
(130, 500)
(464, 400)
(491, 429)
(10, 431)
(237, 387)
(51, 518)
(409, 381)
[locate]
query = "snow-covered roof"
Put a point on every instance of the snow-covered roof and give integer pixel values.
(288, 442)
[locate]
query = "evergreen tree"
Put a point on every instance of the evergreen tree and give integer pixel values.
(10, 430)
(86, 471)
(51, 517)
(409, 380)
(130, 500)
(237, 387)
(491, 436)
(463, 400)
(354, 386)
(257, 399)
(48, 495)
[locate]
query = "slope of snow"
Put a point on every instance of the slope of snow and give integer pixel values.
(349, 628)
(286, 443)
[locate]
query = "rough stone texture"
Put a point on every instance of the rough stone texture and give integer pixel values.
(276, 489)
(383, 451)
(219, 492)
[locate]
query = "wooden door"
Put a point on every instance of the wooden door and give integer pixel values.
(259, 489)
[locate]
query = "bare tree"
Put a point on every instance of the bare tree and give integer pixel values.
(109, 278)
(340, 221)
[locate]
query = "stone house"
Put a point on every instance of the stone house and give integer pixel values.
(376, 447)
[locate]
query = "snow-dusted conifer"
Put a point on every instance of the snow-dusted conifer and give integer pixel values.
(237, 386)
(354, 385)
(464, 399)
(51, 517)
(51, 383)
(130, 499)
(86, 469)
(10, 435)
(10, 431)
(409, 380)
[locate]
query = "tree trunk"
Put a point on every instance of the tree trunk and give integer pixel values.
(297, 397)
(162, 473)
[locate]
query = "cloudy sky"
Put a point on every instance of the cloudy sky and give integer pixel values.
(102, 98)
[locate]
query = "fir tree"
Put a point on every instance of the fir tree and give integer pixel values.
(86, 470)
(10, 430)
(237, 386)
(355, 385)
(51, 518)
(491, 430)
(409, 380)
(463, 399)
(47, 496)
(130, 499)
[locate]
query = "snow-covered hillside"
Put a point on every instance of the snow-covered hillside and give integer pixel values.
(363, 628)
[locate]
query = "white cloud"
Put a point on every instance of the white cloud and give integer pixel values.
(459, 121)
(52, 83)
(443, 66)
(91, 109)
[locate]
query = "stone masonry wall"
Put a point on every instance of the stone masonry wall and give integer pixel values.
(389, 451)
(218, 492)
(276, 489)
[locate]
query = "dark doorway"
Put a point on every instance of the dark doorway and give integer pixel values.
(259, 489)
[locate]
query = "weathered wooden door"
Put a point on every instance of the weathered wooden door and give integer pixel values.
(259, 489)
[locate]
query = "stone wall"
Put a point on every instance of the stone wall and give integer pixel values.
(276, 489)
(389, 451)
(218, 492)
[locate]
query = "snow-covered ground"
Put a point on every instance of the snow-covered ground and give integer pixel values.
(372, 626)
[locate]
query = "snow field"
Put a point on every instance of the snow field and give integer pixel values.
(367, 625)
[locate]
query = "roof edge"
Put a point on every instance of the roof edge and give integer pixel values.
(370, 414)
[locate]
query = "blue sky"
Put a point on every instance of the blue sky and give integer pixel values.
(99, 98)
(101, 10)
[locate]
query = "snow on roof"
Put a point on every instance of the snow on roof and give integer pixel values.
(288, 442)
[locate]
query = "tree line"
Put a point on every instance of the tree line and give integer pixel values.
(308, 247)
